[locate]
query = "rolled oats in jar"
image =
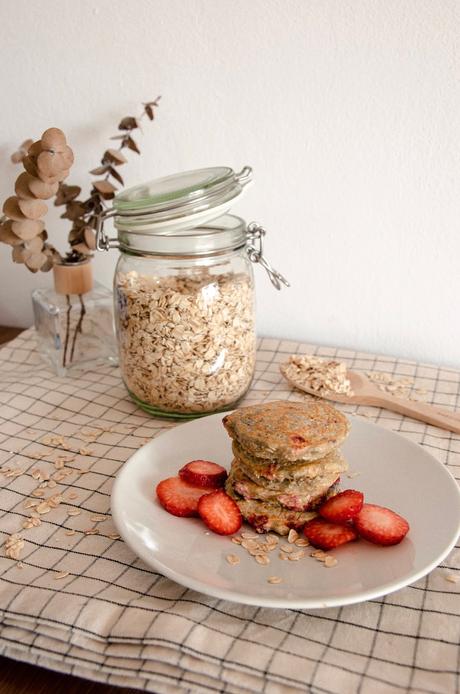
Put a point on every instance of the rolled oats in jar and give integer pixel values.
(184, 292)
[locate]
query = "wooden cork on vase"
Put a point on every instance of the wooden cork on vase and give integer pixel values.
(73, 278)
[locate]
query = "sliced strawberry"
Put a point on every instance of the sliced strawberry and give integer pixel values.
(220, 513)
(341, 507)
(179, 497)
(203, 473)
(380, 525)
(320, 533)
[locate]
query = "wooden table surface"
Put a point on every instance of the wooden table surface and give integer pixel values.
(21, 678)
(7, 334)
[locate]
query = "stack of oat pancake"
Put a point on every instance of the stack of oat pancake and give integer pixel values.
(286, 461)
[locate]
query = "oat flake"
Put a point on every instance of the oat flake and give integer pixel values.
(13, 546)
(452, 578)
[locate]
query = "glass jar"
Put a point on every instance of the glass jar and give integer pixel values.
(184, 292)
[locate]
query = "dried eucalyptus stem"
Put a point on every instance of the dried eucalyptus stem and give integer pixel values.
(78, 328)
(84, 213)
(47, 163)
(67, 329)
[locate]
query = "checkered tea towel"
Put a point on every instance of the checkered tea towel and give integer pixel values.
(75, 598)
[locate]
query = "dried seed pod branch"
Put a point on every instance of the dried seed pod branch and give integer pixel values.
(83, 213)
(47, 162)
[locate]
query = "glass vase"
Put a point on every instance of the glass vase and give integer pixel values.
(74, 321)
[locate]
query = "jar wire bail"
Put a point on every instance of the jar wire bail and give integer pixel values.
(255, 234)
(104, 242)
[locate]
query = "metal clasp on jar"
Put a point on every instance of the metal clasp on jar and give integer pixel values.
(103, 242)
(255, 234)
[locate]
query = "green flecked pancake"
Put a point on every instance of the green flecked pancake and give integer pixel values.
(296, 495)
(269, 515)
(272, 472)
(288, 431)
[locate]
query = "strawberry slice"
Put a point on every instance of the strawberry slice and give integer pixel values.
(178, 497)
(342, 507)
(325, 535)
(203, 473)
(220, 513)
(380, 525)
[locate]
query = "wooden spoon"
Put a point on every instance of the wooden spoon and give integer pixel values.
(367, 393)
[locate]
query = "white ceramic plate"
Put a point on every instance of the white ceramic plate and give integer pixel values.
(393, 472)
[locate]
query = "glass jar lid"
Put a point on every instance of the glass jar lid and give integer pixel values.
(185, 215)
(179, 201)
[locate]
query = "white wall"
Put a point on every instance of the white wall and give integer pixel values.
(348, 111)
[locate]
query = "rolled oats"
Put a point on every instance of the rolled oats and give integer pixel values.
(14, 473)
(295, 556)
(187, 343)
(31, 522)
(86, 451)
(30, 503)
(233, 559)
(330, 561)
(274, 579)
(272, 539)
(13, 546)
(250, 545)
(452, 578)
(319, 554)
(54, 500)
(319, 375)
(395, 386)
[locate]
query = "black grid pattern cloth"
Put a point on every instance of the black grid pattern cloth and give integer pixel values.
(74, 597)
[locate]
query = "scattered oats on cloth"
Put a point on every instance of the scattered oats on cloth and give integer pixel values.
(85, 604)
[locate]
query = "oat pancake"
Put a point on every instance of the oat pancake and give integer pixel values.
(267, 515)
(295, 495)
(288, 431)
(272, 472)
